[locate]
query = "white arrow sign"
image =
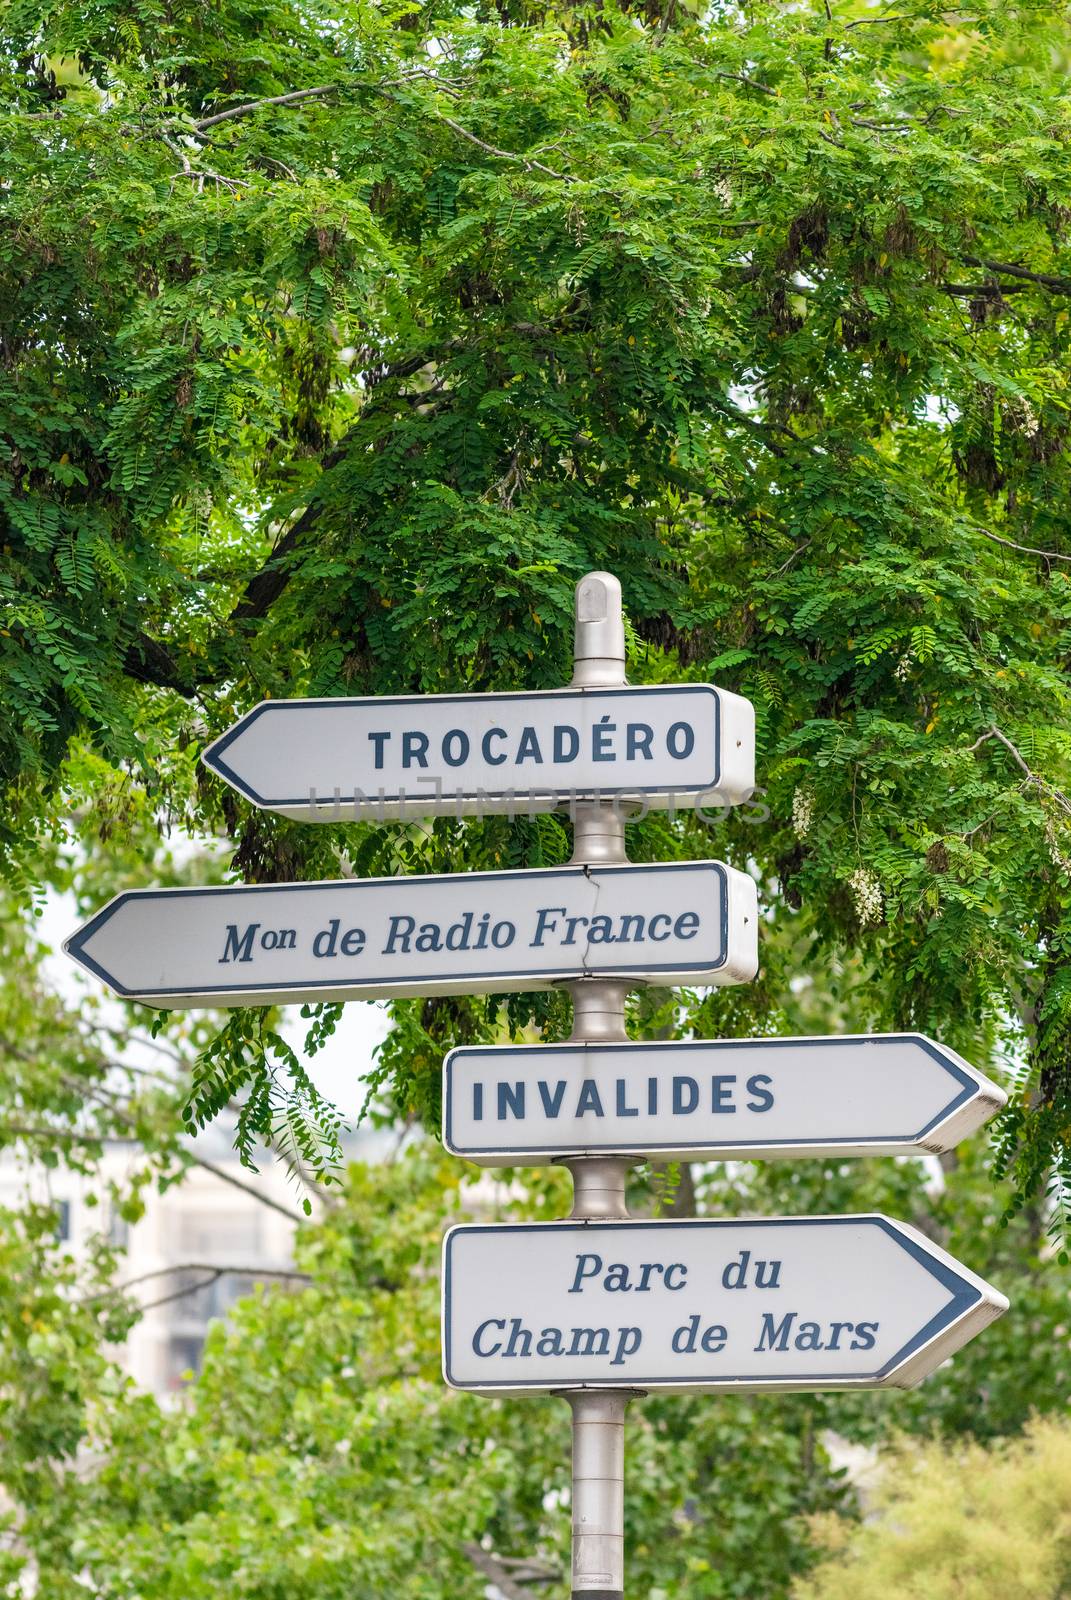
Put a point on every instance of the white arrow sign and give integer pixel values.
(332, 760)
(788, 1303)
(466, 933)
(855, 1095)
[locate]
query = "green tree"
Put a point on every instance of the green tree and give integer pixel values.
(960, 1523)
(336, 345)
(318, 1453)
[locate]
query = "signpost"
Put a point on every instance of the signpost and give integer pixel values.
(465, 933)
(600, 1307)
(332, 760)
(854, 1095)
(785, 1303)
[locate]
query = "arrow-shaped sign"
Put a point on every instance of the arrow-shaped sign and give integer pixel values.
(456, 754)
(465, 933)
(855, 1095)
(786, 1303)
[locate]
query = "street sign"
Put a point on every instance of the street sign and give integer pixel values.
(787, 1303)
(855, 1095)
(466, 933)
(457, 754)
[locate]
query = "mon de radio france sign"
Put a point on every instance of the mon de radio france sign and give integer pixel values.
(465, 933)
(884, 1094)
(856, 1302)
(383, 758)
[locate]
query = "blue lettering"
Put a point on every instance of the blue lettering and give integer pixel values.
(458, 737)
(624, 1110)
(510, 1100)
(681, 1087)
(414, 749)
(638, 741)
(680, 741)
(379, 740)
(399, 934)
(628, 1342)
(589, 1099)
(552, 1104)
(563, 753)
(583, 1271)
(528, 749)
(601, 739)
(485, 746)
(492, 1322)
(544, 924)
(721, 1092)
(763, 1098)
(518, 1336)
(237, 949)
(775, 1336)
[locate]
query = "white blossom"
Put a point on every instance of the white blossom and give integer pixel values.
(866, 893)
(802, 812)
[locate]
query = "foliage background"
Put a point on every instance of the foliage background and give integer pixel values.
(335, 345)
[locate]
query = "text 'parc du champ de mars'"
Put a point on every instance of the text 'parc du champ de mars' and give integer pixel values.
(509, 1337)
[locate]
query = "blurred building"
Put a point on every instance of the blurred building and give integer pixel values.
(199, 1246)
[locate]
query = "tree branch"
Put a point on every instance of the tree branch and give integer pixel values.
(1047, 788)
(246, 1188)
(1045, 279)
(265, 586)
(497, 1570)
(291, 99)
(181, 1294)
(113, 1104)
(25, 1130)
(1027, 549)
(148, 661)
(984, 291)
(528, 162)
(220, 1270)
(750, 83)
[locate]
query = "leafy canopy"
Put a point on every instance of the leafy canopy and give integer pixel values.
(336, 343)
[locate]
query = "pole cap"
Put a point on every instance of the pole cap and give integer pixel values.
(599, 649)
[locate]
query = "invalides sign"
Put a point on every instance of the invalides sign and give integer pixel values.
(464, 933)
(787, 1303)
(332, 760)
(851, 1095)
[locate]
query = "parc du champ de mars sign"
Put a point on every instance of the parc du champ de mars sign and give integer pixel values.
(601, 1302)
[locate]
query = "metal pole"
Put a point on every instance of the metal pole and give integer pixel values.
(598, 1495)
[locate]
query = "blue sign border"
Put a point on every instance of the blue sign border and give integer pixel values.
(968, 1090)
(963, 1297)
(212, 757)
(75, 945)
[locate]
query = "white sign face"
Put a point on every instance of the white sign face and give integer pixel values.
(788, 1303)
(885, 1094)
(340, 760)
(466, 933)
